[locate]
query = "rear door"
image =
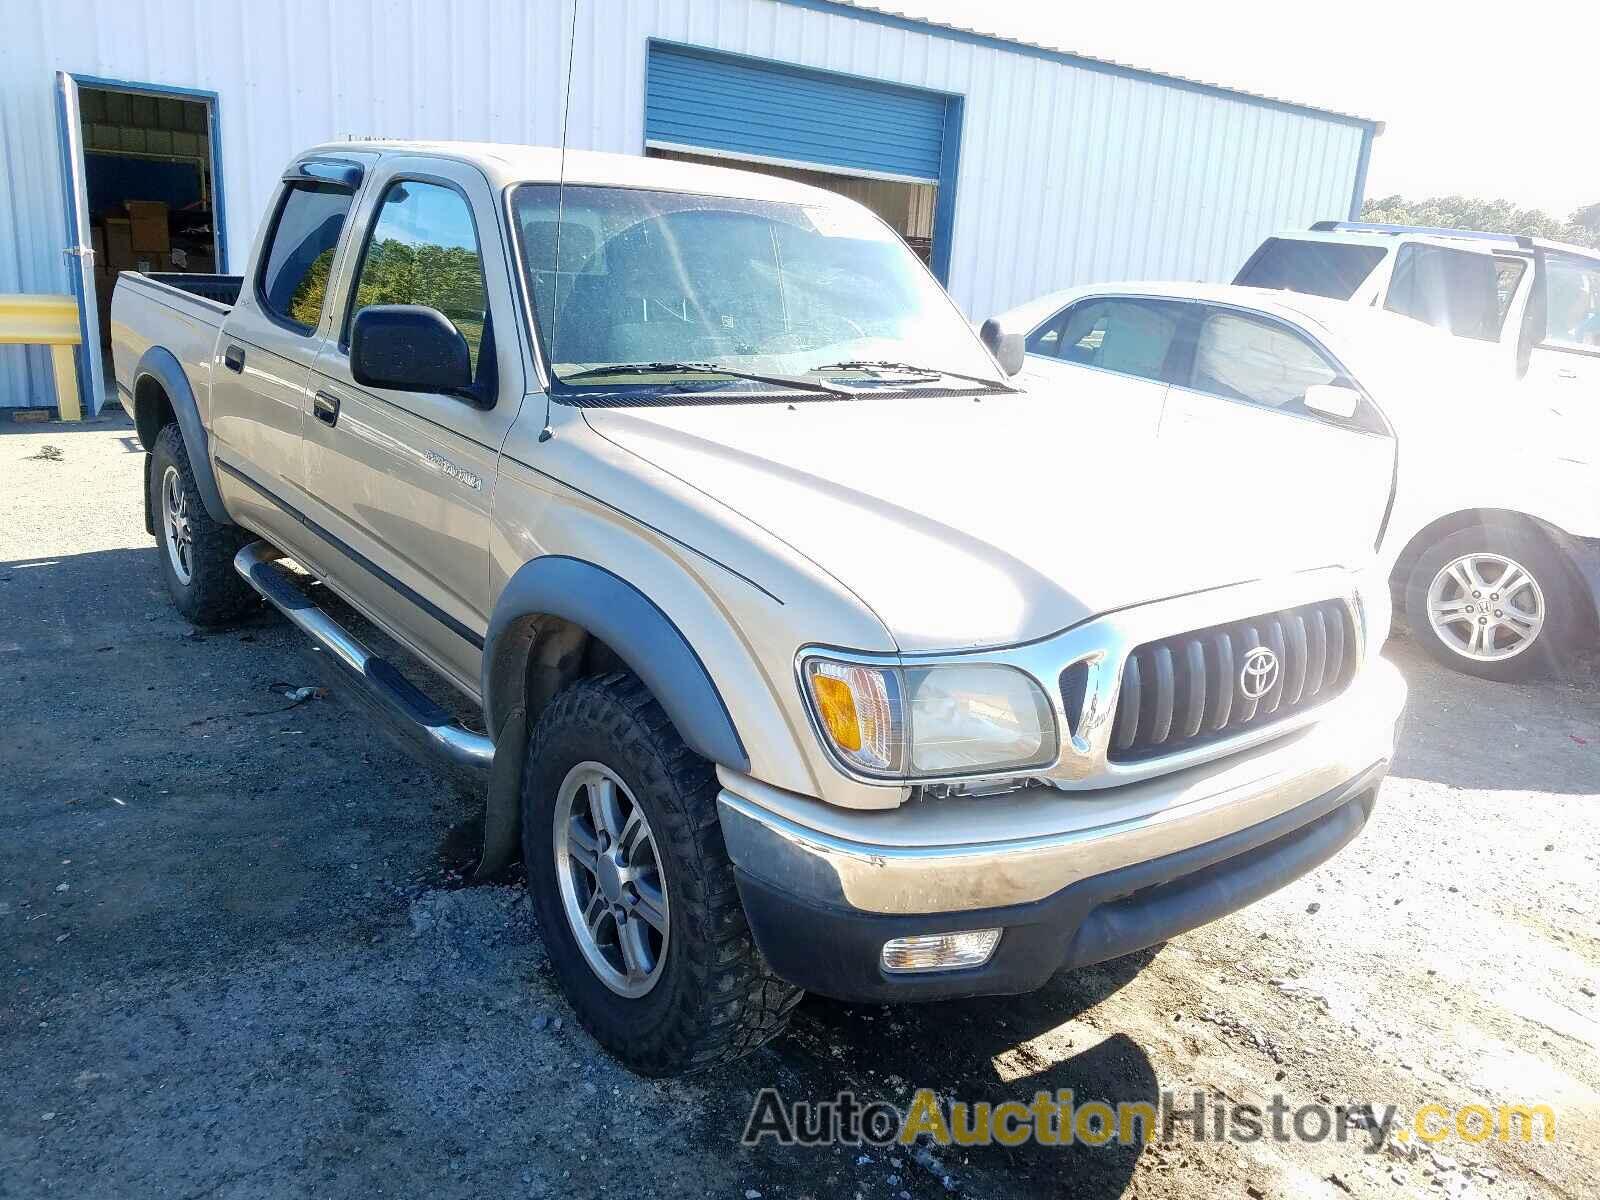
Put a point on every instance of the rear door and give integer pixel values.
(268, 344)
(1564, 364)
(404, 481)
(1107, 358)
(1237, 401)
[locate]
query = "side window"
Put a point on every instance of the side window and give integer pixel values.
(1572, 302)
(1243, 358)
(424, 250)
(1508, 274)
(1455, 290)
(294, 277)
(1332, 269)
(1046, 339)
(1131, 337)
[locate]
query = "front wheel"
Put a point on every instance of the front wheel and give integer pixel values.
(1491, 600)
(633, 888)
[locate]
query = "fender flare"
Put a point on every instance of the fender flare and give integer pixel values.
(159, 364)
(633, 626)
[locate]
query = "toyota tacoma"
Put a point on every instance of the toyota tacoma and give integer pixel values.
(812, 651)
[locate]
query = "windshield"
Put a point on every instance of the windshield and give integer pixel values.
(773, 289)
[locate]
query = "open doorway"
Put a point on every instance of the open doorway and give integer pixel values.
(146, 176)
(906, 206)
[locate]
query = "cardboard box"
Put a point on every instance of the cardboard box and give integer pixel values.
(149, 226)
(119, 254)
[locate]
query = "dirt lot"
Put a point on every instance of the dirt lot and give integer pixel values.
(235, 958)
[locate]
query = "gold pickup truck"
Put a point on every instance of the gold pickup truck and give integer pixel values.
(813, 651)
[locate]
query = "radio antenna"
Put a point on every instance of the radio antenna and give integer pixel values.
(561, 197)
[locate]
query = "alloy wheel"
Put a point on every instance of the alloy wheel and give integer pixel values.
(177, 532)
(613, 889)
(1486, 607)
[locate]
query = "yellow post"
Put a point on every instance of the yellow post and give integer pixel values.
(66, 373)
(47, 321)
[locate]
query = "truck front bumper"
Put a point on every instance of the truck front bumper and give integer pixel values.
(1070, 878)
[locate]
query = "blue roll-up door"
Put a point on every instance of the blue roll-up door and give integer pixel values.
(752, 108)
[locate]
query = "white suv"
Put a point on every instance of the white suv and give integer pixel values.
(1491, 528)
(1538, 300)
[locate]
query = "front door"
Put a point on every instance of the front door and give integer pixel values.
(1106, 358)
(403, 482)
(1564, 366)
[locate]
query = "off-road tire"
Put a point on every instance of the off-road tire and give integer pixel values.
(715, 999)
(1533, 553)
(214, 593)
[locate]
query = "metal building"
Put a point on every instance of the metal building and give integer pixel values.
(1013, 168)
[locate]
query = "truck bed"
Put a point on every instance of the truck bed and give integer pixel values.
(179, 312)
(222, 289)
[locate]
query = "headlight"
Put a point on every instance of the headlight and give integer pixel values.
(929, 722)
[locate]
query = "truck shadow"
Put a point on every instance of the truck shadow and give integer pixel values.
(992, 1049)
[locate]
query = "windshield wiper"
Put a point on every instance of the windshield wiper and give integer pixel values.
(703, 368)
(911, 369)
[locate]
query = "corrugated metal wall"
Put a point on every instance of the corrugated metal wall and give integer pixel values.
(1068, 173)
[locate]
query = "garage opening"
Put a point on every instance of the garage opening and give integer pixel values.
(889, 147)
(149, 178)
(907, 208)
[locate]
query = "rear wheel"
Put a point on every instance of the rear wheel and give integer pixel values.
(196, 552)
(1491, 600)
(633, 888)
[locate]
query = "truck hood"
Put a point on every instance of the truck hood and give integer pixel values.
(963, 523)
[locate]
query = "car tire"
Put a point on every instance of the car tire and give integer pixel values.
(694, 992)
(1471, 628)
(196, 553)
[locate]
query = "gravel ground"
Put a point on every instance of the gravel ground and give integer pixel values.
(236, 958)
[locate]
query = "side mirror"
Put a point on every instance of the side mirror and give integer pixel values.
(408, 348)
(1332, 400)
(1006, 347)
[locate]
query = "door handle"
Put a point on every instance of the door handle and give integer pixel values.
(325, 407)
(233, 359)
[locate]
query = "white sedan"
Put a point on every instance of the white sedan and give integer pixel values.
(1484, 497)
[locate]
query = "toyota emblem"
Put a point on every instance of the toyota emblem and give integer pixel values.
(1260, 673)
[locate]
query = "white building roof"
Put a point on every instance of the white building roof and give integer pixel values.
(1062, 54)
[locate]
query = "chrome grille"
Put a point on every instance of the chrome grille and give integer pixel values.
(1184, 691)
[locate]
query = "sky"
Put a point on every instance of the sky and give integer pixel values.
(1493, 102)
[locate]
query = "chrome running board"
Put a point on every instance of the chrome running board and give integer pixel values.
(434, 728)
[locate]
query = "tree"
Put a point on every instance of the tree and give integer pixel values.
(448, 278)
(1492, 216)
(1587, 217)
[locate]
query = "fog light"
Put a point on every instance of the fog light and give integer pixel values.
(940, 951)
